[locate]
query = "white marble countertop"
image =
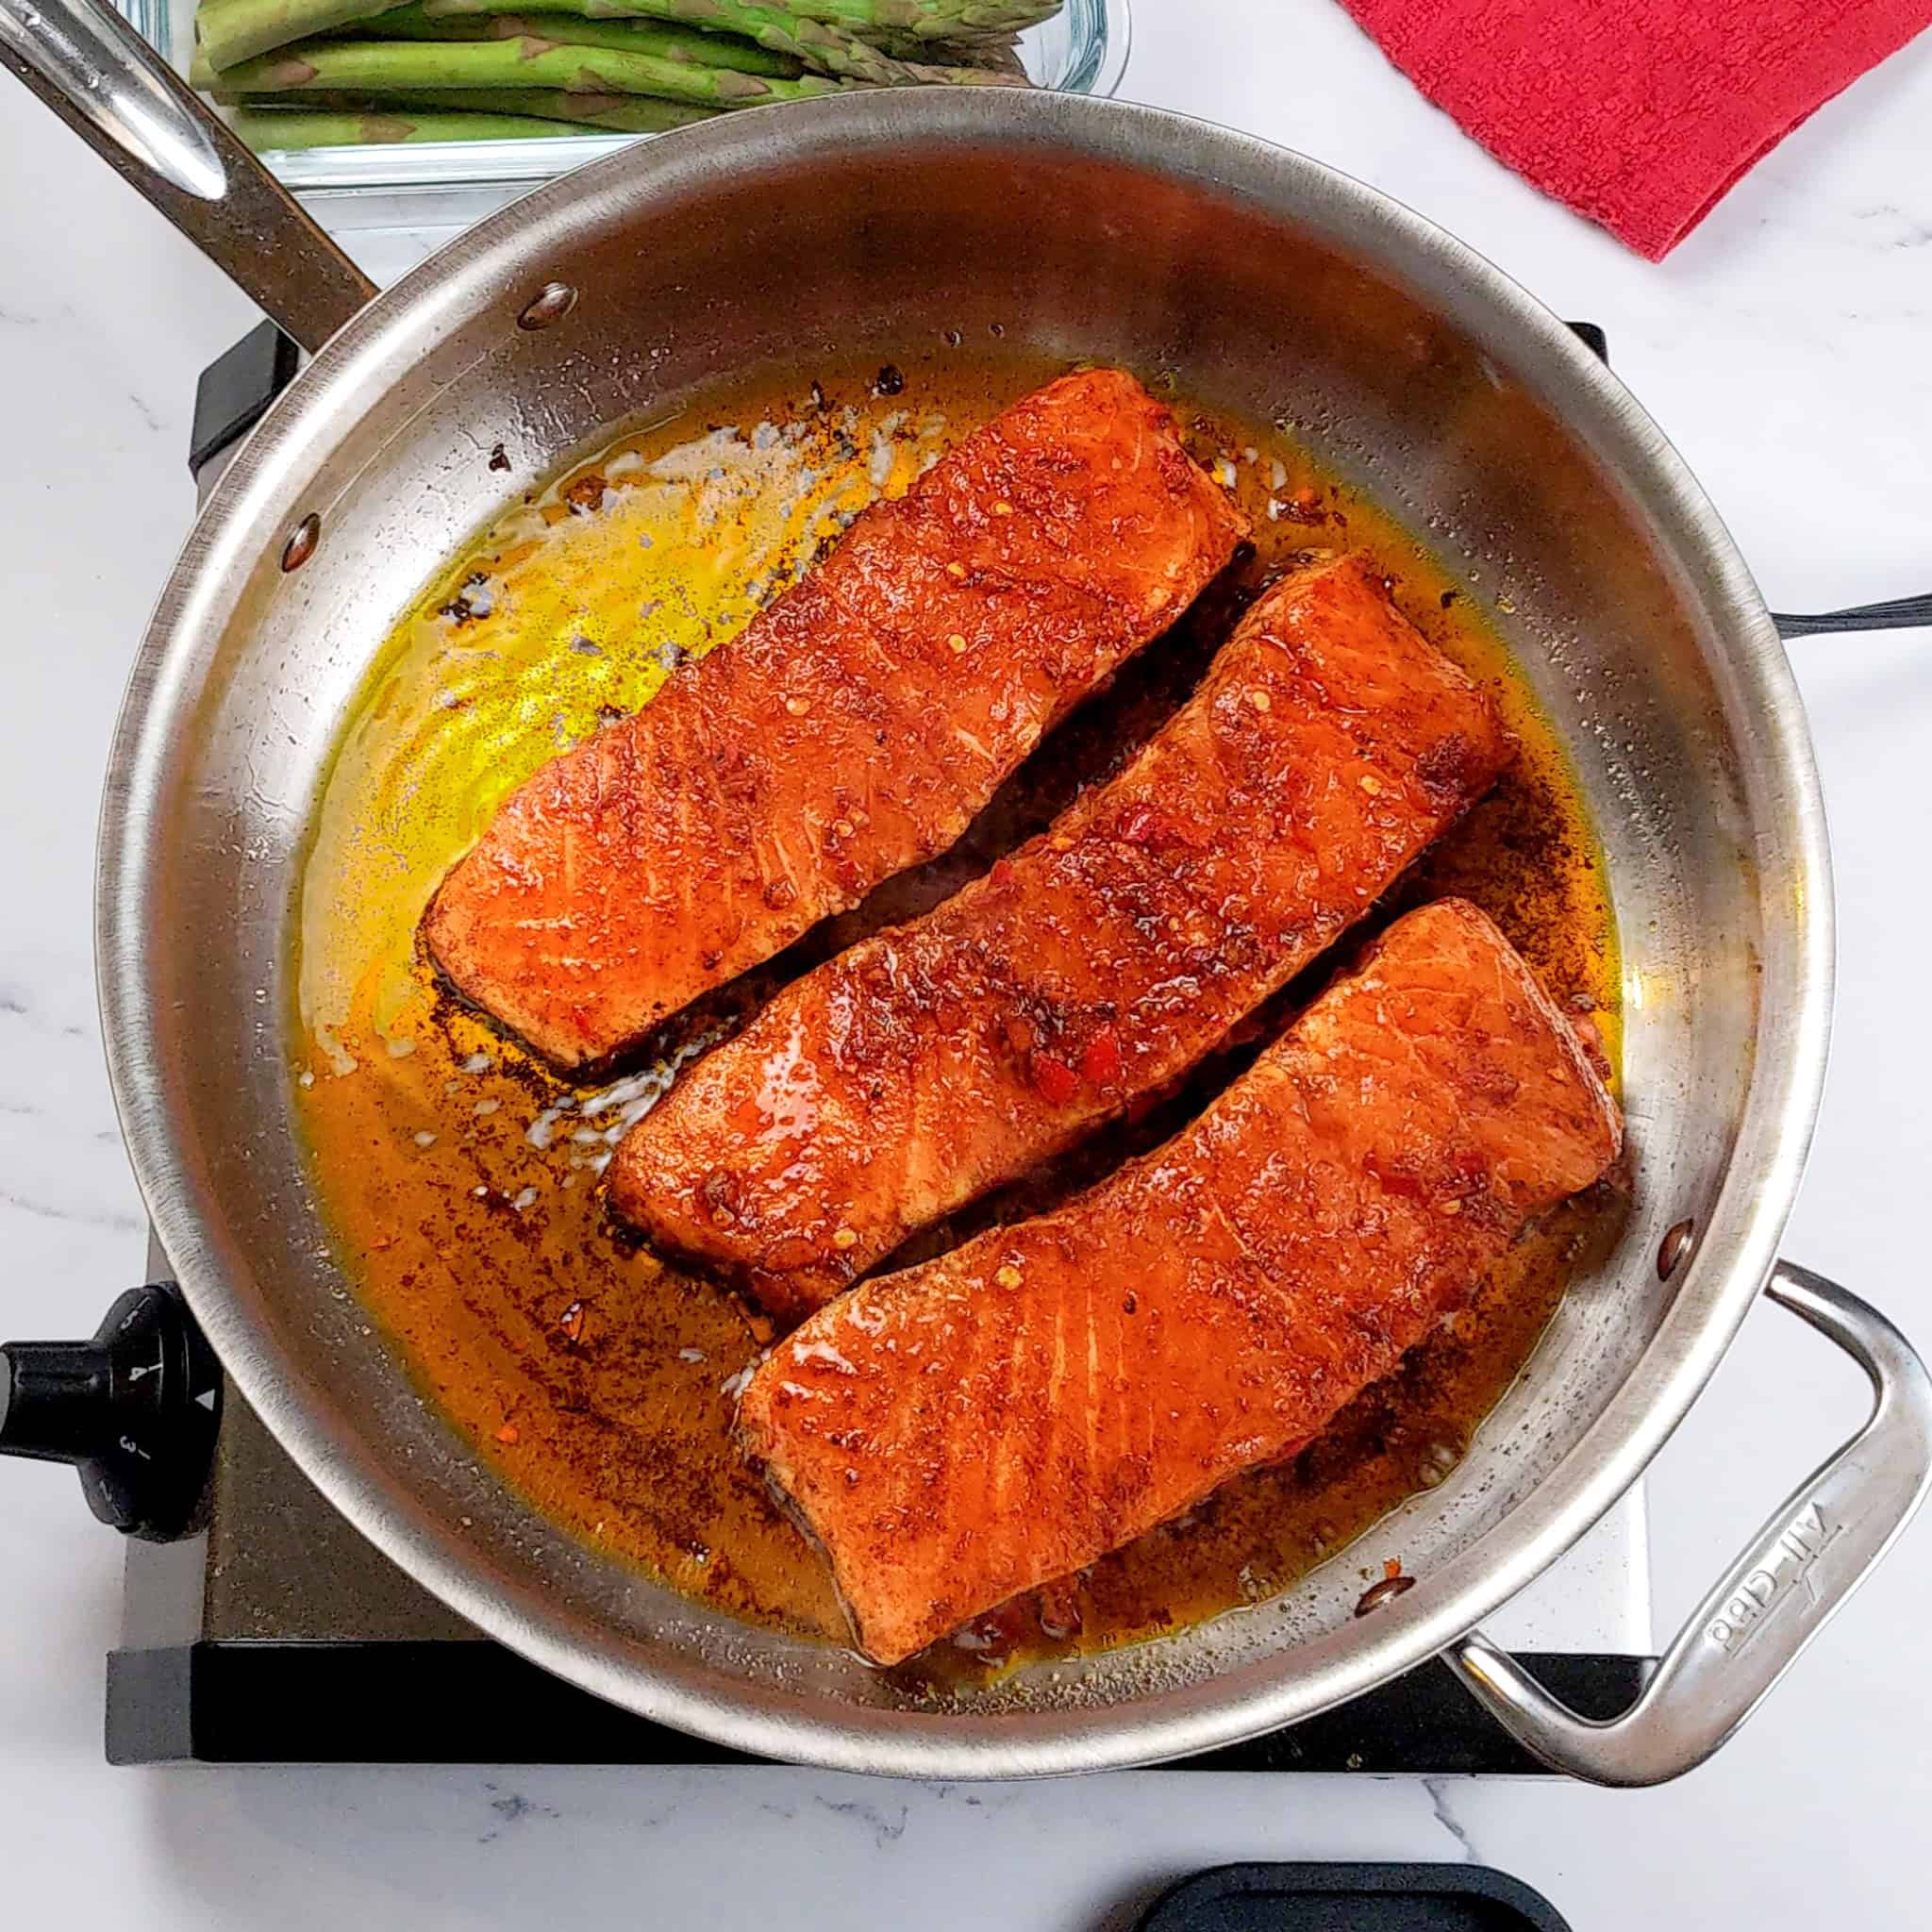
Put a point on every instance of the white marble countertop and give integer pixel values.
(1784, 347)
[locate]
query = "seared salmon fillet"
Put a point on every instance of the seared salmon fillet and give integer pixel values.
(1329, 744)
(851, 730)
(960, 1432)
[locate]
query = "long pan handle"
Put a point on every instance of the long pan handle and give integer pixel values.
(1795, 1571)
(124, 100)
(1902, 614)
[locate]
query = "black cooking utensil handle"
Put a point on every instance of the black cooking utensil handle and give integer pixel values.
(1327, 1898)
(135, 1411)
(235, 391)
(1901, 613)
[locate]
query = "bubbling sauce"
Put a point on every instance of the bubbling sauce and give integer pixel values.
(461, 1176)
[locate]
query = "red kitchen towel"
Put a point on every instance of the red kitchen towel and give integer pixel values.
(1639, 113)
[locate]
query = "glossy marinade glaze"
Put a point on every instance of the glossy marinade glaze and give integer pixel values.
(463, 1176)
(962, 1432)
(1327, 745)
(854, 728)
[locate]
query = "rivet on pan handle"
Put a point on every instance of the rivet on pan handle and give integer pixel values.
(1805, 1561)
(124, 100)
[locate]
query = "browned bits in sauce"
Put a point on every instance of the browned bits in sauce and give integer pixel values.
(585, 494)
(477, 1238)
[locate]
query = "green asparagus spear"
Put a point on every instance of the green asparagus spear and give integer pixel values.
(413, 23)
(610, 113)
(774, 25)
(996, 53)
(991, 52)
(278, 129)
(606, 113)
(227, 31)
(384, 66)
(925, 20)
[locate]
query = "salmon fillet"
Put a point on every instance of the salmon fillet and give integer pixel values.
(965, 1431)
(851, 730)
(1329, 744)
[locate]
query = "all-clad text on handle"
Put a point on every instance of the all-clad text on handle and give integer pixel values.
(1806, 1560)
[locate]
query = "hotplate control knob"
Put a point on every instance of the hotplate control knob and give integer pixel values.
(135, 1411)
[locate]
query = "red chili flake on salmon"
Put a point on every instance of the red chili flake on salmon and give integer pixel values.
(1100, 1064)
(1054, 1079)
(1144, 825)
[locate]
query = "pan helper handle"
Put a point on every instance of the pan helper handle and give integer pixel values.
(1818, 1547)
(124, 100)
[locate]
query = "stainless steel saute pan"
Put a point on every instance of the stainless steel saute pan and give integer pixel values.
(1270, 286)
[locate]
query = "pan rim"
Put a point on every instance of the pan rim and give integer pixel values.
(1735, 1253)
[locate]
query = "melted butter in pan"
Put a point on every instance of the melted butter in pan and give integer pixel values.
(462, 1177)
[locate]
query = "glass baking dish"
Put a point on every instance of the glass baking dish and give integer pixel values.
(1083, 49)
